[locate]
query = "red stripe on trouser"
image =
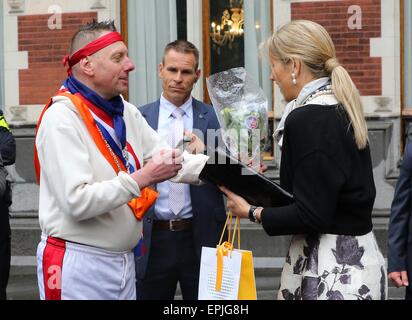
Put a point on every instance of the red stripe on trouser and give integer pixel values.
(52, 268)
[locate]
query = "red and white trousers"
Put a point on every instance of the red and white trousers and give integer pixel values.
(71, 271)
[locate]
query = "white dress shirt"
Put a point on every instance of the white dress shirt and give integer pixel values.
(162, 211)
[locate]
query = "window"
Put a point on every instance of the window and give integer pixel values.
(181, 8)
(230, 55)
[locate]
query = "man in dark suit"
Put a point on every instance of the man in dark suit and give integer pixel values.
(400, 227)
(184, 218)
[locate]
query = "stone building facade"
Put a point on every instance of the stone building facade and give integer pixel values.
(370, 38)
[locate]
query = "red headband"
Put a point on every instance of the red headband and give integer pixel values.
(91, 48)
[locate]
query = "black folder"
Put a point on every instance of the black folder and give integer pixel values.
(251, 185)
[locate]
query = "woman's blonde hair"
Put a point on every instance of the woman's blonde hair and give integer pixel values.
(310, 43)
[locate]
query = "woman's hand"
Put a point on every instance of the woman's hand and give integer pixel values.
(236, 204)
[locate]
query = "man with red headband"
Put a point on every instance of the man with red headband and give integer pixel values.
(95, 158)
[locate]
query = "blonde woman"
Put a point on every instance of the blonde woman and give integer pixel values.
(326, 165)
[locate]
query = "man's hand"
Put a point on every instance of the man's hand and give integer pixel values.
(161, 167)
(399, 278)
(195, 145)
(262, 167)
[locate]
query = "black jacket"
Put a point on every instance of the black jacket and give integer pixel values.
(7, 142)
(5, 190)
(330, 178)
(7, 157)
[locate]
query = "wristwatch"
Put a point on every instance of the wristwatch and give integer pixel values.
(252, 214)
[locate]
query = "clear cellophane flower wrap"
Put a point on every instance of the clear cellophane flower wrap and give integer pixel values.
(242, 110)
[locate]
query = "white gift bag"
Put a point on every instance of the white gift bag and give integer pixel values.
(230, 276)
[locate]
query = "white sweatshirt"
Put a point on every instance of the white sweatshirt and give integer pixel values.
(81, 198)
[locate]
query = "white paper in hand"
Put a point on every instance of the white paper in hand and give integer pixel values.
(230, 279)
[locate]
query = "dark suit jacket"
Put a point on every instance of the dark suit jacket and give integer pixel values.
(209, 213)
(400, 225)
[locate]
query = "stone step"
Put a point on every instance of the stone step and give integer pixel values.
(23, 285)
(26, 235)
(268, 253)
(254, 238)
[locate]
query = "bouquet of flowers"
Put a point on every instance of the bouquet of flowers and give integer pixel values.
(242, 110)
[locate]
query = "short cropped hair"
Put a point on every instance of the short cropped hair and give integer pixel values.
(90, 32)
(183, 46)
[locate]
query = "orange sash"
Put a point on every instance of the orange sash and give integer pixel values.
(148, 196)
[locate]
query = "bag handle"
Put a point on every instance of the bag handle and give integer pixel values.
(228, 226)
(223, 249)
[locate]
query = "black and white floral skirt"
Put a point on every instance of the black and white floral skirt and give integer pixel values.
(333, 267)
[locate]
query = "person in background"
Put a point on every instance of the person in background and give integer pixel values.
(400, 227)
(184, 218)
(95, 159)
(7, 157)
(326, 165)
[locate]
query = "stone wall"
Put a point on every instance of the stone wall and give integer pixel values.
(352, 46)
(46, 49)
